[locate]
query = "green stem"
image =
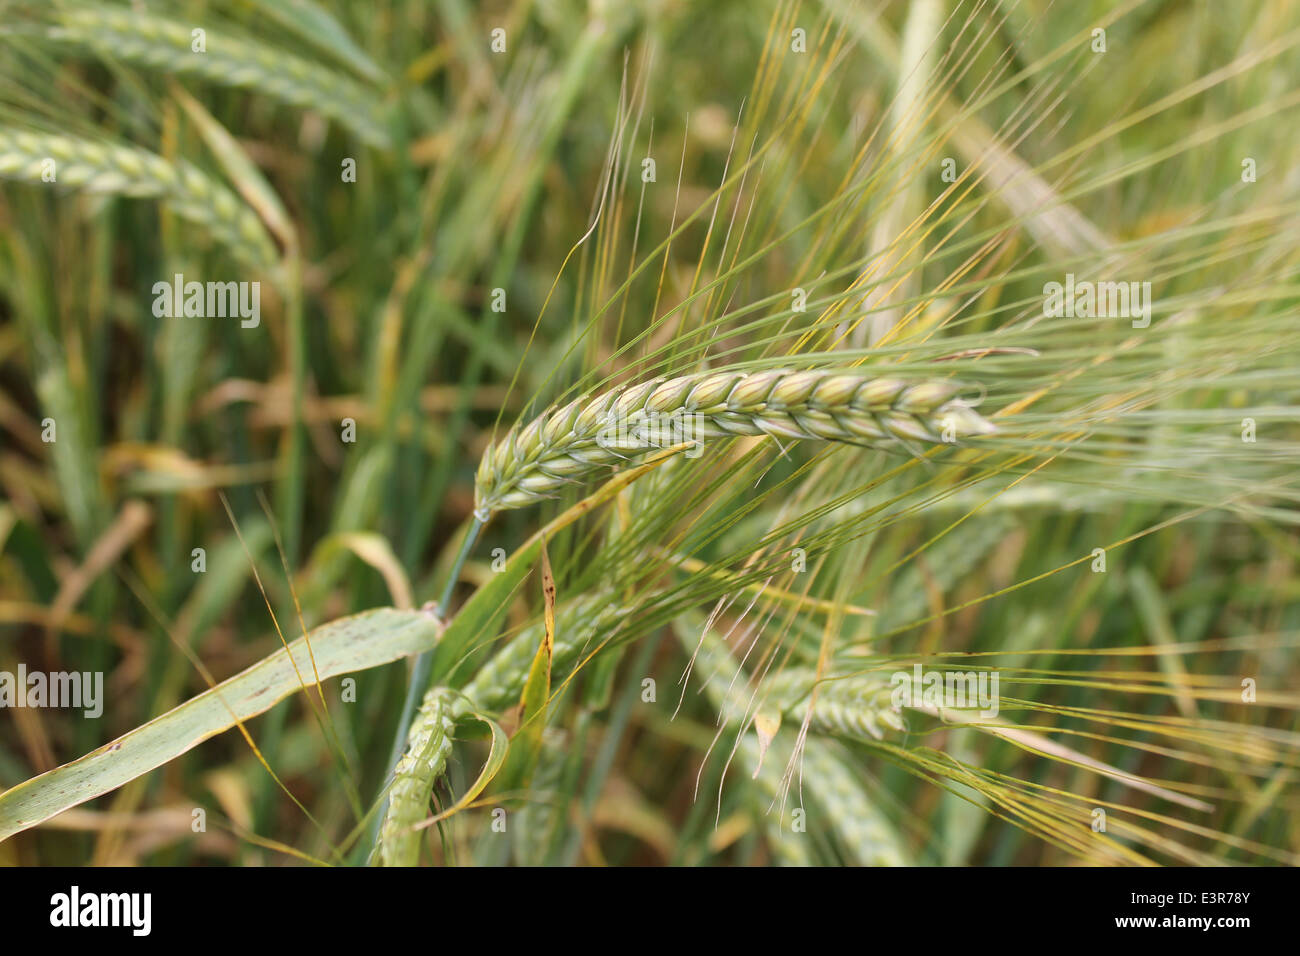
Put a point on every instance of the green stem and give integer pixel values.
(289, 491)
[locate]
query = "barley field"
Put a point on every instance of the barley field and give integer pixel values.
(649, 433)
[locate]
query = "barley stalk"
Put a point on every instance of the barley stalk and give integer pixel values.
(151, 41)
(428, 746)
(108, 168)
(536, 460)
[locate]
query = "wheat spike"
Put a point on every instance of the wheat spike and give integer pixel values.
(124, 170)
(569, 444)
(427, 749)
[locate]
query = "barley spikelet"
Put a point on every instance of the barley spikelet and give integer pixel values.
(151, 41)
(571, 443)
(124, 170)
(427, 748)
(855, 707)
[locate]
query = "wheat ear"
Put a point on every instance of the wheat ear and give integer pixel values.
(427, 749)
(569, 444)
(148, 40)
(124, 170)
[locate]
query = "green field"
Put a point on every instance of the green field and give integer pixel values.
(692, 433)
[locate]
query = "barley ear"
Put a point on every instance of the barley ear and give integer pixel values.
(572, 443)
(580, 624)
(428, 746)
(867, 836)
(108, 168)
(864, 833)
(858, 707)
(150, 41)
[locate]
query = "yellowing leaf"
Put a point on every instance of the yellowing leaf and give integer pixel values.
(526, 740)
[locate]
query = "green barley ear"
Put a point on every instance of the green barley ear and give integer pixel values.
(427, 749)
(79, 164)
(858, 706)
(572, 443)
(580, 624)
(544, 813)
(150, 41)
(866, 836)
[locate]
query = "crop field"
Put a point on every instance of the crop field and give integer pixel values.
(649, 433)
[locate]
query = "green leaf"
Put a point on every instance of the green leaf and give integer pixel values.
(495, 758)
(349, 644)
(476, 621)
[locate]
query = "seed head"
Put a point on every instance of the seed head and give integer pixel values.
(568, 444)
